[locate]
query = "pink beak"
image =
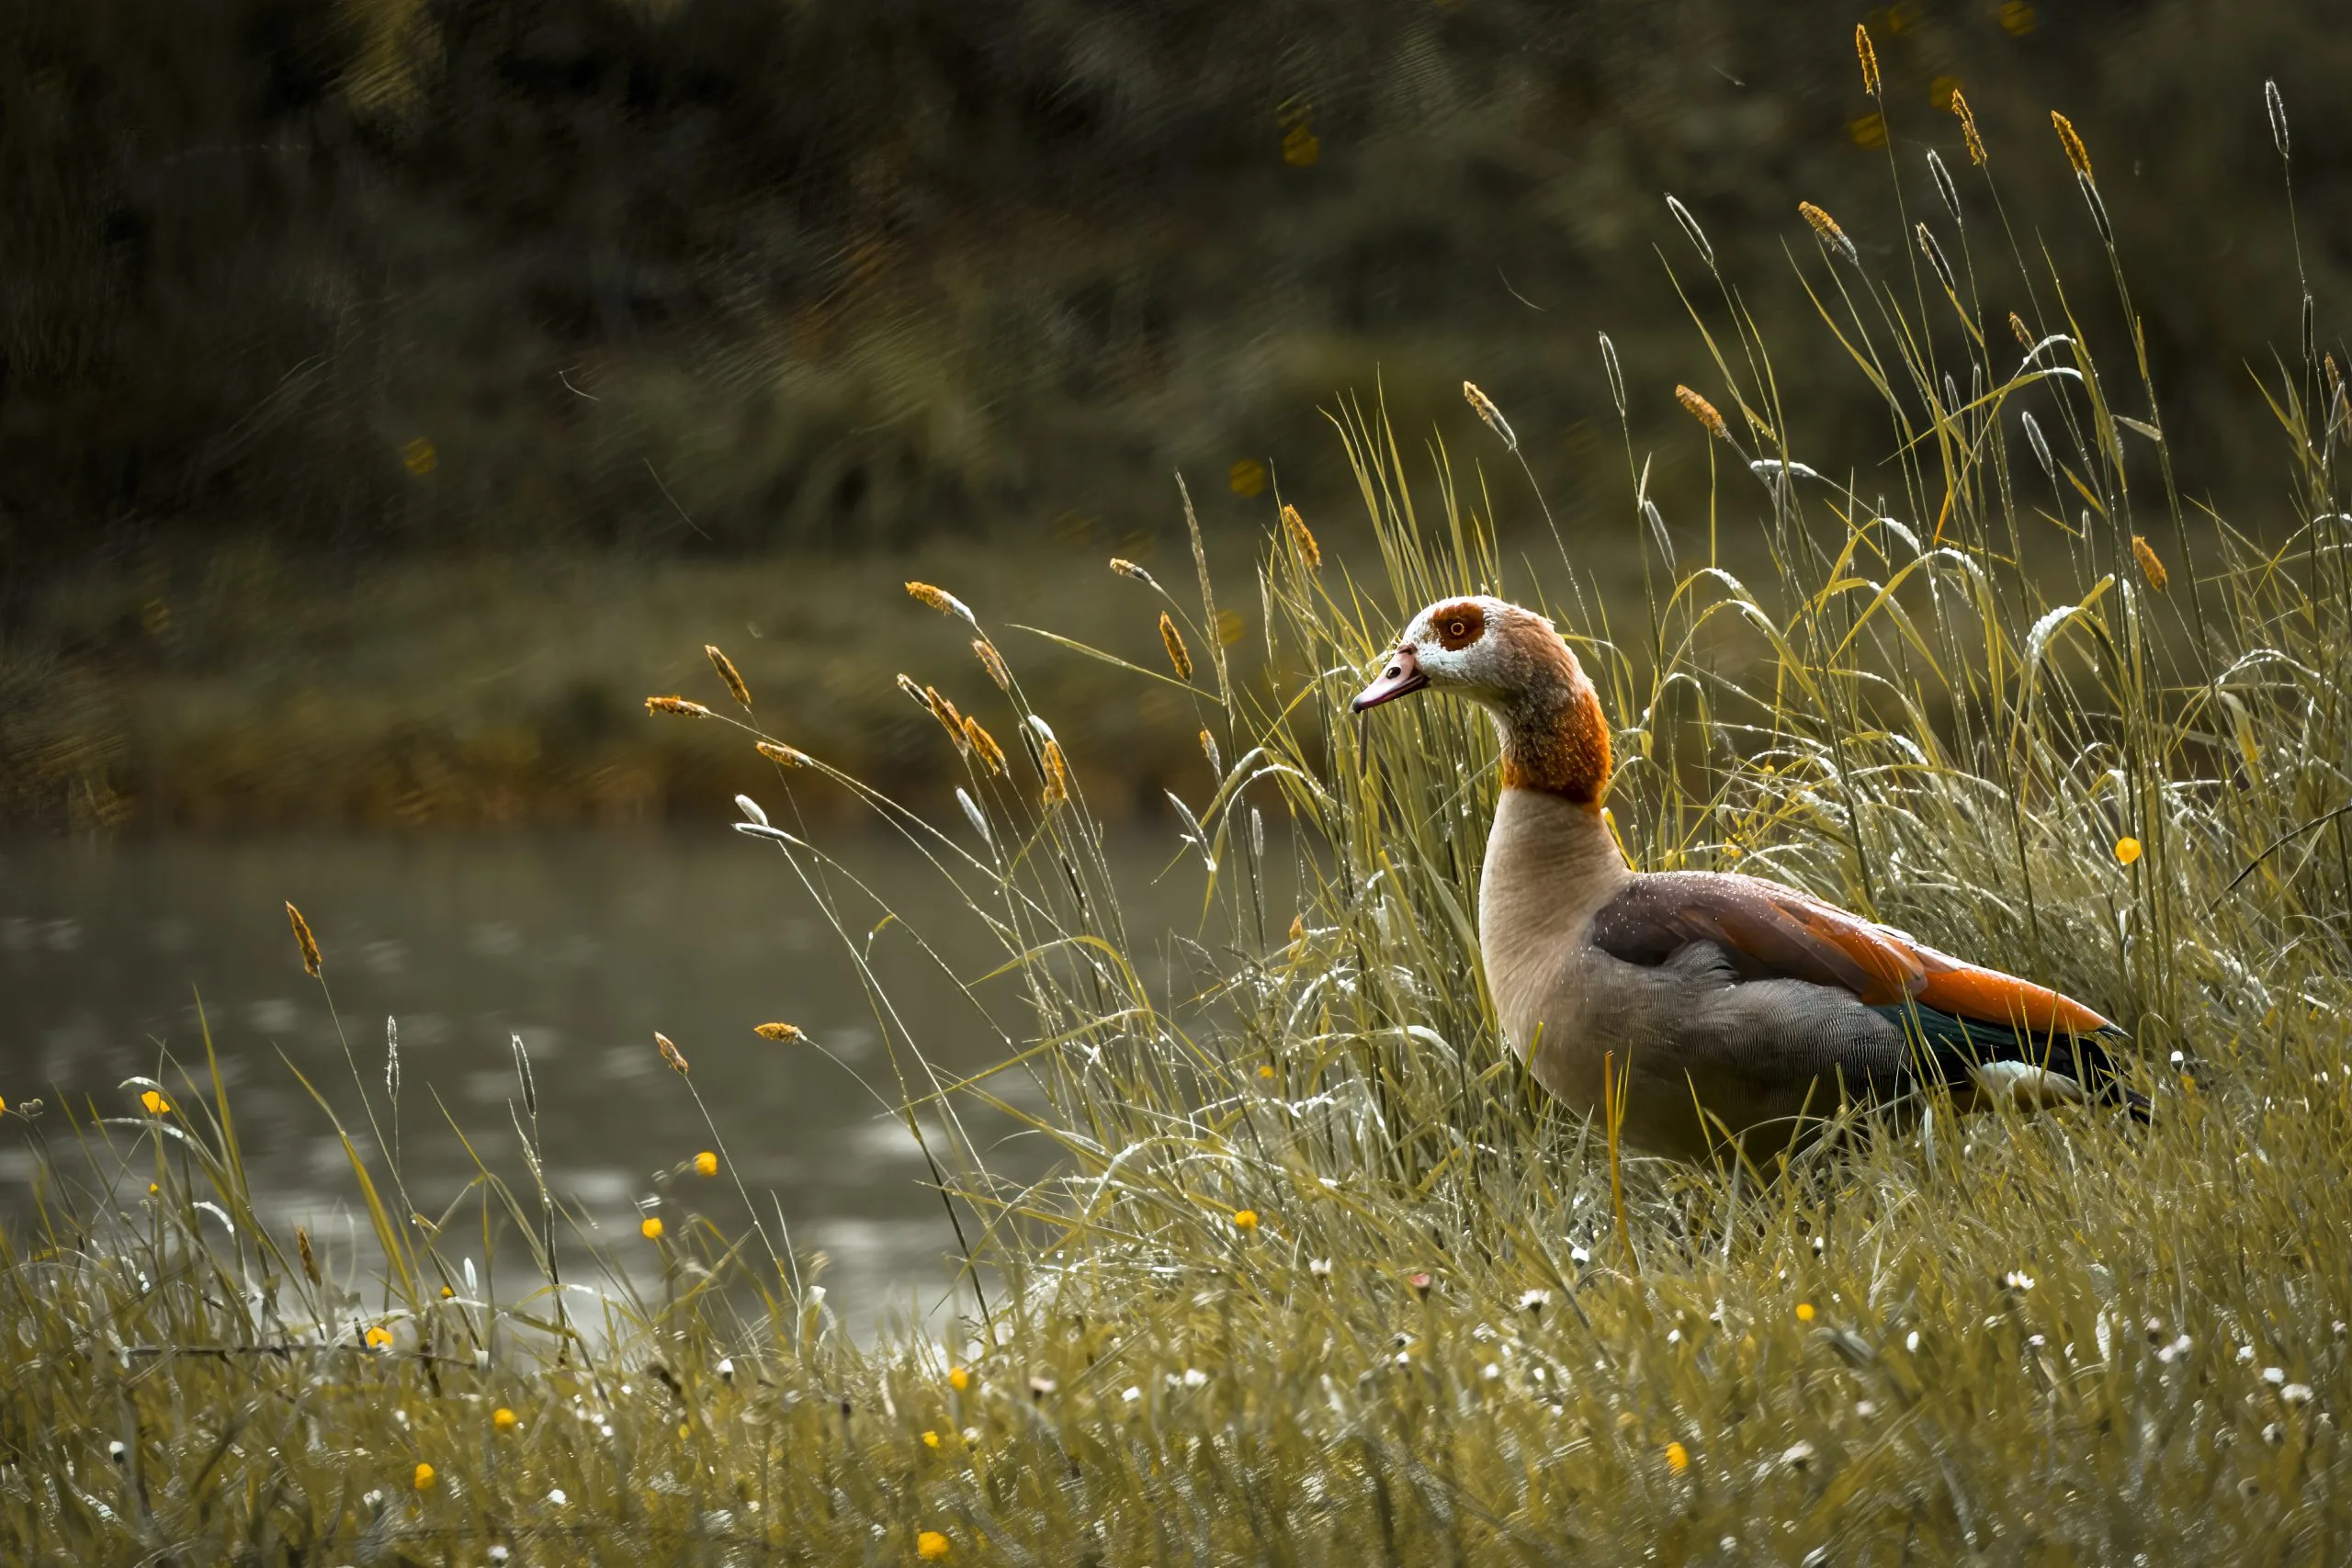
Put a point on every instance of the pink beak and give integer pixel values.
(1402, 676)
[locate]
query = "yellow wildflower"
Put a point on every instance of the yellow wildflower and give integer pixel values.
(1677, 1458)
(379, 1339)
(931, 1546)
(931, 1439)
(706, 1164)
(650, 1227)
(1245, 1219)
(504, 1419)
(2127, 849)
(1804, 1312)
(424, 1477)
(958, 1379)
(155, 1103)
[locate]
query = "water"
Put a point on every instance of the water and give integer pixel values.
(582, 944)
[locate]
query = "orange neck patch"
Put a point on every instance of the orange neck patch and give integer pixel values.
(1555, 736)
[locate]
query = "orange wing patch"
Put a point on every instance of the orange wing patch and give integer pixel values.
(1901, 969)
(1991, 996)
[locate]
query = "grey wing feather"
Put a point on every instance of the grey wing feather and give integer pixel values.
(1762, 929)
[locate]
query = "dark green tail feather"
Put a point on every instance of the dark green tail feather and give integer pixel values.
(1950, 1046)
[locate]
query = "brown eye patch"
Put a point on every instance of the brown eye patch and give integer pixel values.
(1460, 624)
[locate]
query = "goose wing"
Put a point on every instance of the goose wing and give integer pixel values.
(1769, 931)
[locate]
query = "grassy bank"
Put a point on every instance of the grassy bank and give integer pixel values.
(1322, 1276)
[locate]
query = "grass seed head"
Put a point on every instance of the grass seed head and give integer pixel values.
(304, 940)
(1484, 406)
(782, 756)
(1309, 553)
(1127, 568)
(949, 719)
(680, 708)
(2076, 154)
(1867, 54)
(670, 1052)
(2017, 329)
(1702, 411)
(941, 600)
(1173, 641)
(784, 1034)
(310, 1259)
(1967, 119)
(730, 676)
(2150, 565)
(913, 689)
(984, 746)
(1056, 776)
(1827, 229)
(993, 663)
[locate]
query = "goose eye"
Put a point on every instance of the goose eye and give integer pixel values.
(1456, 629)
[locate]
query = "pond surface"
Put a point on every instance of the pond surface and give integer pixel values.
(583, 945)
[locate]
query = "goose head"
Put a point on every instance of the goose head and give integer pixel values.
(1486, 650)
(1513, 663)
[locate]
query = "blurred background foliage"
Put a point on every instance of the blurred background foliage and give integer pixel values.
(367, 371)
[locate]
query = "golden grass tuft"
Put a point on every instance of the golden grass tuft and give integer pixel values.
(993, 663)
(1826, 230)
(949, 719)
(783, 756)
(984, 746)
(1178, 656)
(678, 707)
(1057, 772)
(1702, 411)
(670, 1052)
(1311, 554)
(1867, 53)
(309, 944)
(1968, 133)
(732, 678)
(2076, 154)
(2152, 567)
(784, 1033)
(941, 600)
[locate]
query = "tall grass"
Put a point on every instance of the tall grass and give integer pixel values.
(1317, 1274)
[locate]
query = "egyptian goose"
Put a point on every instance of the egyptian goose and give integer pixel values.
(1731, 1005)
